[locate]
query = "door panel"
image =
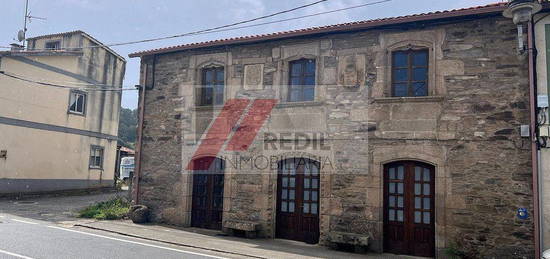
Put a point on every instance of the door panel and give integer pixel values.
(298, 197)
(409, 208)
(208, 185)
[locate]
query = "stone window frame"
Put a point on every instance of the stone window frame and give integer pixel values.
(199, 82)
(285, 78)
(416, 45)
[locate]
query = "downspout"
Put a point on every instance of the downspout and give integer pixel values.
(141, 107)
(533, 130)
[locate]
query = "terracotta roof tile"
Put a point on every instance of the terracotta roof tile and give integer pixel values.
(485, 9)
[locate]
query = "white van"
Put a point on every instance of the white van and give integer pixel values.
(126, 166)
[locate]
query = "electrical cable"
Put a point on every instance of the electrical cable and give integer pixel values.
(14, 76)
(224, 27)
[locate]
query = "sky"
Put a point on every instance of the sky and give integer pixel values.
(129, 20)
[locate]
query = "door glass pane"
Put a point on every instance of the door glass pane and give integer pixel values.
(314, 183)
(417, 217)
(392, 188)
(284, 195)
(314, 170)
(310, 67)
(219, 76)
(285, 181)
(417, 203)
(296, 69)
(314, 196)
(309, 94)
(307, 182)
(391, 215)
(291, 206)
(417, 173)
(309, 80)
(400, 172)
(426, 174)
(314, 208)
(284, 206)
(417, 189)
(400, 201)
(292, 182)
(306, 195)
(400, 215)
(426, 189)
(400, 188)
(426, 218)
(426, 203)
(392, 173)
(392, 201)
(306, 207)
(291, 194)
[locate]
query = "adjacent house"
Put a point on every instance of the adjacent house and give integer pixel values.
(401, 135)
(59, 110)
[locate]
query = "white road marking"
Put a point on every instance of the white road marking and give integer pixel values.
(16, 255)
(138, 243)
(26, 222)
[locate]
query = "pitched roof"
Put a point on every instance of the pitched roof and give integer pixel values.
(94, 40)
(486, 9)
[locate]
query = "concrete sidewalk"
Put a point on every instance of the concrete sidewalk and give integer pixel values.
(218, 242)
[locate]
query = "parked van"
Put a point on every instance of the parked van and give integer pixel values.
(126, 167)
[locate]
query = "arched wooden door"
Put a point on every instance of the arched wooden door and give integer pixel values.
(298, 193)
(207, 204)
(409, 208)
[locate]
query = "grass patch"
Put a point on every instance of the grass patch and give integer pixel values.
(116, 208)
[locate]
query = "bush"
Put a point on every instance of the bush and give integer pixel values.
(116, 208)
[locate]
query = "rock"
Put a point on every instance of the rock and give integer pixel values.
(139, 214)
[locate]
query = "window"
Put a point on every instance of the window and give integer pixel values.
(77, 102)
(302, 81)
(96, 157)
(53, 45)
(410, 73)
(211, 91)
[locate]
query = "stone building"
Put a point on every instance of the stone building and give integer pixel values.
(399, 135)
(56, 131)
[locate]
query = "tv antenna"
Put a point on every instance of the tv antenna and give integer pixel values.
(21, 35)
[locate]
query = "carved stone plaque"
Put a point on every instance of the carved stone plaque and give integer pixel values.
(253, 77)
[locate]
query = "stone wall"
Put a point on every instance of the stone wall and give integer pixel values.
(468, 128)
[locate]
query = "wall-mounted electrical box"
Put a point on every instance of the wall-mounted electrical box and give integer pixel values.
(525, 131)
(544, 131)
(542, 101)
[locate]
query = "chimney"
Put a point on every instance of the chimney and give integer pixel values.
(16, 47)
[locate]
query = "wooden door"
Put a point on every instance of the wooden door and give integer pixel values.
(298, 193)
(409, 208)
(207, 206)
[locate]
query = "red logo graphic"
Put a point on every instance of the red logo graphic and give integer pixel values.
(218, 134)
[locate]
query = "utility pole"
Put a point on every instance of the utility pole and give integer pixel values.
(25, 22)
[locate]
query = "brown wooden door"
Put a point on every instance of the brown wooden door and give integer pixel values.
(298, 196)
(409, 208)
(207, 207)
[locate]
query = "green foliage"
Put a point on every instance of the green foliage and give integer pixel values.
(454, 252)
(127, 127)
(116, 208)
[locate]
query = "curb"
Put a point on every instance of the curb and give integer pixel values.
(168, 242)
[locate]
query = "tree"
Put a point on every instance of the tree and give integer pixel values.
(127, 127)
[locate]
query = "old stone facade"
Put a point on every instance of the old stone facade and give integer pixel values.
(466, 129)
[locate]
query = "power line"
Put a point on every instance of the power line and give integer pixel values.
(209, 29)
(18, 77)
(224, 28)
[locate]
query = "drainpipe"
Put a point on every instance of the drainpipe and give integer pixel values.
(533, 128)
(141, 111)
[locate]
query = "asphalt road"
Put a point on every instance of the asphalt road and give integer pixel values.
(32, 239)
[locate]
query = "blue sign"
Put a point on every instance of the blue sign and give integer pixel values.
(522, 213)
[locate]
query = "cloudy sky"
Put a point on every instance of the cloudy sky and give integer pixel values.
(128, 20)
